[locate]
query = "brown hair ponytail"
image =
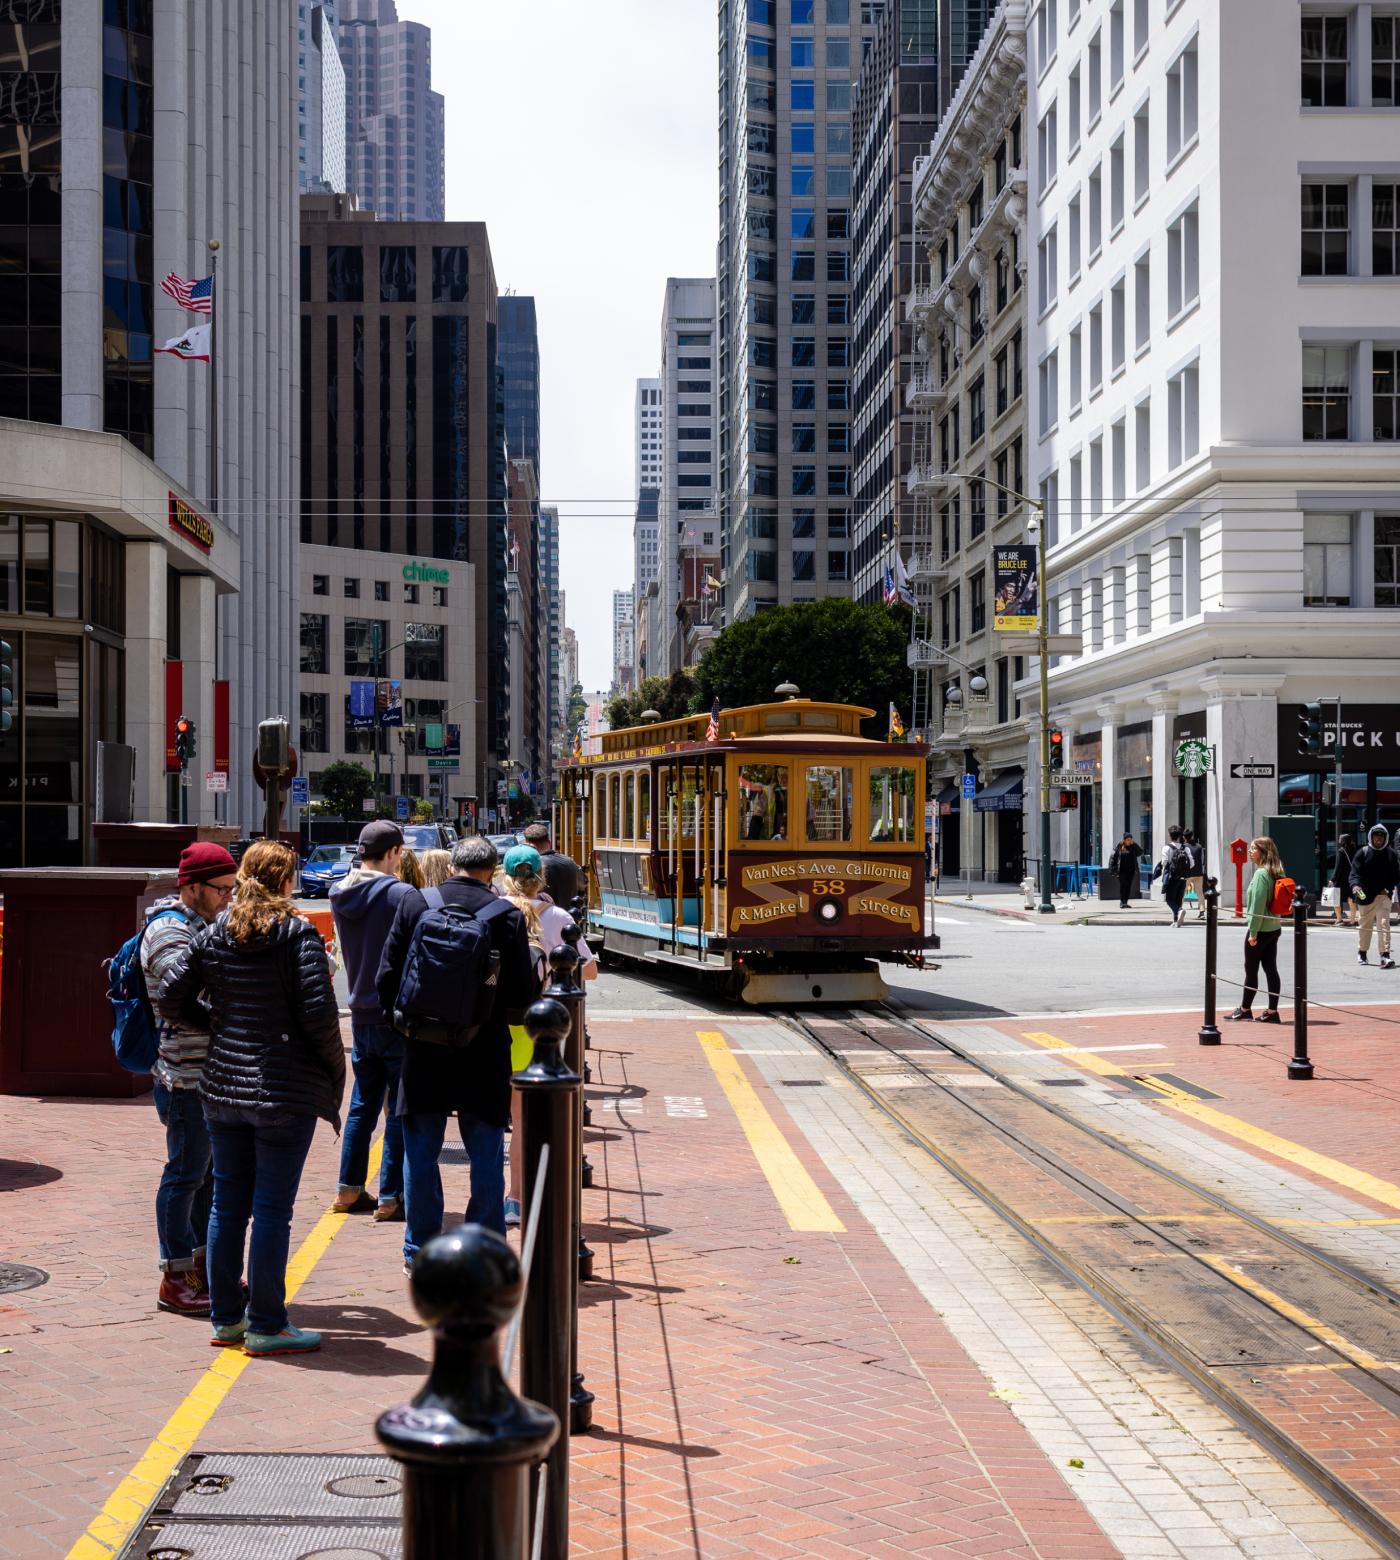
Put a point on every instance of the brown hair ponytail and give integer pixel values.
(259, 902)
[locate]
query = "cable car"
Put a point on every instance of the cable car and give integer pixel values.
(779, 853)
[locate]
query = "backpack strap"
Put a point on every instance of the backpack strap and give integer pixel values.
(432, 897)
(492, 912)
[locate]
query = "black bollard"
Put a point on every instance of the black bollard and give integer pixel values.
(564, 988)
(1300, 1067)
(1209, 1032)
(577, 1004)
(466, 1441)
(548, 1107)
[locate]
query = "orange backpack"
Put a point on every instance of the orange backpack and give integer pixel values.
(1281, 900)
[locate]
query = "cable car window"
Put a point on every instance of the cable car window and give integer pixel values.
(780, 718)
(629, 808)
(615, 807)
(689, 805)
(819, 719)
(828, 803)
(600, 800)
(892, 804)
(763, 801)
(644, 805)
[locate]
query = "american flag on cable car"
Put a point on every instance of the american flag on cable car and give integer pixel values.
(712, 730)
(197, 296)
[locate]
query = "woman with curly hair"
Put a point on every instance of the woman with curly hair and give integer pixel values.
(276, 1064)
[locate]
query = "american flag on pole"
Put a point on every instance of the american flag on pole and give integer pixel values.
(712, 730)
(197, 296)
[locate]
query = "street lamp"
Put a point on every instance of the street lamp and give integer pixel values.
(1037, 526)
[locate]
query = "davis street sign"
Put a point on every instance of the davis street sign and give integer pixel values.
(1192, 758)
(1252, 771)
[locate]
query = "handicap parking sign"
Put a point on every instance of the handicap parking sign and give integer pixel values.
(969, 785)
(301, 790)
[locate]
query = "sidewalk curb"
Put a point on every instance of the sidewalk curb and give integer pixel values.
(967, 904)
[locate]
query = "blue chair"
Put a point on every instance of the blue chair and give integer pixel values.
(1066, 878)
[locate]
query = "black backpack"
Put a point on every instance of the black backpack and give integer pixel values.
(449, 973)
(1178, 864)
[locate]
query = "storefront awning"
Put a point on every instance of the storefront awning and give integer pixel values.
(947, 800)
(1005, 794)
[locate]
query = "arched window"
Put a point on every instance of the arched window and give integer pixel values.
(629, 807)
(615, 806)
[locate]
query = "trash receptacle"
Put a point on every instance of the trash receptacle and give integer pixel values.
(55, 1020)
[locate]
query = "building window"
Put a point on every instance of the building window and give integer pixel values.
(320, 584)
(1095, 212)
(1115, 185)
(1385, 392)
(425, 652)
(804, 481)
(1049, 393)
(1095, 349)
(1327, 560)
(1003, 280)
(1142, 153)
(1115, 46)
(398, 273)
(1326, 59)
(1003, 381)
(1326, 229)
(1327, 392)
(1074, 237)
(314, 720)
(1385, 61)
(1075, 80)
(1183, 107)
(1183, 263)
(1385, 229)
(1118, 323)
(1076, 368)
(1144, 444)
(1387, 560)
(314, 650)
(977, 600)
(976, 507)
(804, 565)
(1047, 138)
(1049, 270)
(1142, 301)
(1183, 415)
(449, 273)
(352, 589)
(977, 410)
(345, 273)
(1095, 77)
(365, 641)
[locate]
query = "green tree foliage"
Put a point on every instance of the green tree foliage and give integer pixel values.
(578, 708)
(345, 787)
(671, 696)
(833, 650)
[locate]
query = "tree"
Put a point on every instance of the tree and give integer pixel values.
(345, 787)
(672, 697)
(833, 650)
(422, 810)
(578, 708)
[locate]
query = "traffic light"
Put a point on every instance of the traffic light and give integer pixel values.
(1057, 749)
(1069, 799)
(7, 685)
(1310, 728)
(184, 740)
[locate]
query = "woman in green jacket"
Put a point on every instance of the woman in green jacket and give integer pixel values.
(1262, 931)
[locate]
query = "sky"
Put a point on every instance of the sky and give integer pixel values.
(584, 134)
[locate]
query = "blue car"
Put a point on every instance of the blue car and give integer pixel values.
(324, 867)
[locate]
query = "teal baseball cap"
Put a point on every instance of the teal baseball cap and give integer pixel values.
(522, 861)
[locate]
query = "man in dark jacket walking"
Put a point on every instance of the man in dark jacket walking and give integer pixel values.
(473, 1080)
(1123, 866)
(1375, 870)
(363, 905)
(560, 872)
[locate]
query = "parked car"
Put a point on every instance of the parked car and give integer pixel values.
(429, 836)
(504, 842)
(325, 866)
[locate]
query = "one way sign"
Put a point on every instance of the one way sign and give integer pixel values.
(1251, 771)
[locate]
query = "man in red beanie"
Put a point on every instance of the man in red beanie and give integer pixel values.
(207, 878)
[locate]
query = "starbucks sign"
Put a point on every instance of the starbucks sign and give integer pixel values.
(1192, 758)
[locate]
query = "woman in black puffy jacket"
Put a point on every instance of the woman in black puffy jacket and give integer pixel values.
(276, 1063)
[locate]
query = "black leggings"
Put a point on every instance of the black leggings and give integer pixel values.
(1264, 953)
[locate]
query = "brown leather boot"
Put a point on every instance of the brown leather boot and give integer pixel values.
(180, 1293)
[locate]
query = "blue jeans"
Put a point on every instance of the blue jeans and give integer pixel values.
(187, 1182)
(258, 1160)
(422, 1143)
(377, 1058)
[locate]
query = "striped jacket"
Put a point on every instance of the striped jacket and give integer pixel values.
(182, 1049)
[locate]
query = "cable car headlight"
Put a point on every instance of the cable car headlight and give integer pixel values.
(828, 911)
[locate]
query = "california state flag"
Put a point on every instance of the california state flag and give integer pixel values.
(193, 344)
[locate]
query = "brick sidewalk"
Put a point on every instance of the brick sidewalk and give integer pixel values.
(760, 1392)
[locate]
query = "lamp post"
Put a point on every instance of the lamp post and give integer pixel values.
(1038, 525)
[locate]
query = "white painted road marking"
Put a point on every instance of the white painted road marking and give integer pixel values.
(685, 1105)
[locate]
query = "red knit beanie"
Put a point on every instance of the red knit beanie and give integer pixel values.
(202, 860)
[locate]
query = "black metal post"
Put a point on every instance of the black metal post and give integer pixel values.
(466, 1441)
(1300, 1066)
(573, 935)
(564, 989)
(1209, 1032)
(548, 1106)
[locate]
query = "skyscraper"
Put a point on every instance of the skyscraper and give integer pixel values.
(320, 99)
(549, 570)
(787, 75)
(648, 413)
(394, 118)
(624, 641)
(520, 363)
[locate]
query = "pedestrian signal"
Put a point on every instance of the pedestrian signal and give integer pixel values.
(1057, 750)
(1310, 728)
(1069, 800)
(184, 739)
(7, 681)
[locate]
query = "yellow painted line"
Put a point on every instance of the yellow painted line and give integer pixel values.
(1387, 1193)
(799, 1196)
(1318, 1328)
(128, 1503)
(1085, 1059)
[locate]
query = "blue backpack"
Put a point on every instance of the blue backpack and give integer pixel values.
(135, 1030)
(449, 973)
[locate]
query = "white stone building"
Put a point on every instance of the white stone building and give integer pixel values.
(1213, 404)
(970, 211)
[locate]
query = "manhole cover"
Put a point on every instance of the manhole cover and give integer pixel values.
(365, 1486)
(802, 1083)
(15, 1276)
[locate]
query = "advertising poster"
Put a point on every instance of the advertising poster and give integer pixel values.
(388, 701)
(361, 703)
(1016, 605)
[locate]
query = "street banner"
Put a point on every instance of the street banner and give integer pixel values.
(361, 703)
(1016, 602)
(433, 736)
(388, 701)
(454, 742)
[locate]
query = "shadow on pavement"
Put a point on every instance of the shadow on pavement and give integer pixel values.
(677, 1448)
(16, 1174)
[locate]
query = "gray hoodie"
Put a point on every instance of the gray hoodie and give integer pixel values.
(1375, 870)
(363, 906)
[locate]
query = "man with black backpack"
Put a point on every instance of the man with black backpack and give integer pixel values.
(1173, 869)
(206, 878)
(456, 973)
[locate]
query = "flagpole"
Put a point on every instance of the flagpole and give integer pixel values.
(214, 375)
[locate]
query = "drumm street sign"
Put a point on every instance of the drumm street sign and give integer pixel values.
(1193, 758)
(1252, 771)
(1073, 778)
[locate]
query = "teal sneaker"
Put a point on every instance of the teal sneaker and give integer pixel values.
(291, 1340)
(234, 1333)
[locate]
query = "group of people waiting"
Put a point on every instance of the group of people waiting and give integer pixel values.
(251, 1056)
